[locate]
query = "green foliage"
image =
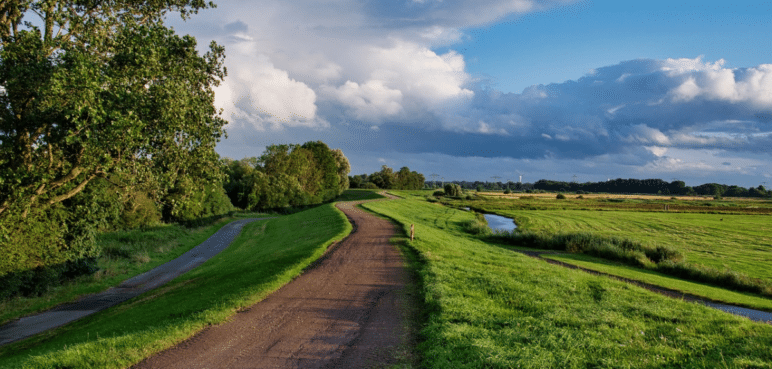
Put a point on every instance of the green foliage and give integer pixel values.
(369, 186)
(452, 189)
(101, 126)
(387, 179)
(560, 196)
(287, 176)
(438, 193)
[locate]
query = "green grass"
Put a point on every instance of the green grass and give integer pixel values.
(266, 255)
(651, 277)
(359, 194)
(742, 243)
(490, 307)
(124, 255)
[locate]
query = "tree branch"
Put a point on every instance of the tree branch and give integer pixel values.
(72, 192)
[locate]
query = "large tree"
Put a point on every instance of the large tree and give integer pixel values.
(98, 99)
(103, 89)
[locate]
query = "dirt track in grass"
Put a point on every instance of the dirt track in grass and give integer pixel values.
(346, 311)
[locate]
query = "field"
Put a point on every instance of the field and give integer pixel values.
(488, 306)
(265, 256)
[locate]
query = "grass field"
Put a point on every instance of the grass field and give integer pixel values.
(724, 241)
(494, 308)
(699, 289)
(264, 257)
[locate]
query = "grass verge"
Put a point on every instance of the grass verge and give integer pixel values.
(265, 256)
(713, 293)
(493, 308)
(124, 254)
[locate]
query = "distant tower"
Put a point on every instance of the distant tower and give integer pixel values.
(521, 178)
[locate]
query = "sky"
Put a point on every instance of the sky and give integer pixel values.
(472, 90)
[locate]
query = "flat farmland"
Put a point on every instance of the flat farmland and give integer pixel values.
(742, 243)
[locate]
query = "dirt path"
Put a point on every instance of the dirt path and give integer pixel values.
(344, 312)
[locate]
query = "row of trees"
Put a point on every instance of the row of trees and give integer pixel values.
(642, 186)
(287, 175)
(653, 186)
(386, 178)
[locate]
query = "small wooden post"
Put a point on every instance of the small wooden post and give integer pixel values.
(667, 207)
(412, 231)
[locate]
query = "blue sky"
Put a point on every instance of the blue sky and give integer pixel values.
(470, 90)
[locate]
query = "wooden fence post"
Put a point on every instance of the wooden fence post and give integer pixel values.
(412, 231)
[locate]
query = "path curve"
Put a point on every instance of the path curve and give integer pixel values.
(342, 312)
(31, 325)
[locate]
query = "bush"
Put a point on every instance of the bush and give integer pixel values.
(369, 186)
(560, 196)
(478, 226)
(438, 193)
(507, 192)
(452, 189)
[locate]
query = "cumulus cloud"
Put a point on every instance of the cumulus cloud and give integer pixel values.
(711, 81)
(266, 96)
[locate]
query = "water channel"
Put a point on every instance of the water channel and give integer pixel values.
(499, 222)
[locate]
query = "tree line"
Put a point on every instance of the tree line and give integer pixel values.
(617, 186)
(654, 186)
(387, 179)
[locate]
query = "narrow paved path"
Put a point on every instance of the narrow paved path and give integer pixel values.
(87, 305)
(344, 312)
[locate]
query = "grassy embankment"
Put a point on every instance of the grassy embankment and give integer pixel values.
(491, 307)
(265, 256)
(124, 254)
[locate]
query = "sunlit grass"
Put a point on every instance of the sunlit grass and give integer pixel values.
(491, 307)
(651, 277)
(265, 256)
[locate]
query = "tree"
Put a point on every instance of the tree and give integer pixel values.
(112, 91)
(105, 92)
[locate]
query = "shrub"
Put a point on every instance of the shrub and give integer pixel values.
(478, 226)
(580, 197)
(452, 189)
(560, 196)
(369, 186)
(507, 192)
(438, 193)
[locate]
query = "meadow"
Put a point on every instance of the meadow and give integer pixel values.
(487, 306)
(266, 255)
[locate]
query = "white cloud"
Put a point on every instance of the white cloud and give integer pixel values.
(266, 96)
(371, 101)
(711, 81)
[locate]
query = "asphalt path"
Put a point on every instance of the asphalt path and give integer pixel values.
(31, 325)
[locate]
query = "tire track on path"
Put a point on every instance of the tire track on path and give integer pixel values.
(344, 311)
